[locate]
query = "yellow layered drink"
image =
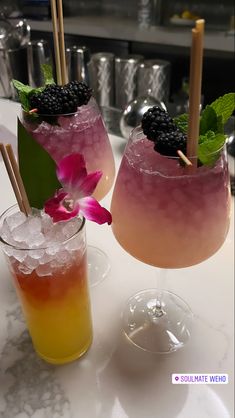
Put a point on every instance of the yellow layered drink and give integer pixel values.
(51, 281)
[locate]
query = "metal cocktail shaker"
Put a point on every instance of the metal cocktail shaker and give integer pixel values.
(78, 58)
(101, 71)
(126, 79)
(38, 53)
(154, 75)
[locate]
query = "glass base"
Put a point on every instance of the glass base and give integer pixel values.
(65, 360)
(158, 327)
(98, 265)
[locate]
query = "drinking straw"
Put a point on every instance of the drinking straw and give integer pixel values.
(23, 204)
(58, 37)
(195, 82)
(18, 178)
(61, 41)
(56, 42)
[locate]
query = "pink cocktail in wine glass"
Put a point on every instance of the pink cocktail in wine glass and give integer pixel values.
(168, 216)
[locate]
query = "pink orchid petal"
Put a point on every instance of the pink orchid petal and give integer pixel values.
(73, 175)
(57, 211)
(88, 184)
(93, 211)
(71, 170)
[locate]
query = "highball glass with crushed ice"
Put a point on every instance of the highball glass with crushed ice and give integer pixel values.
(49, 267)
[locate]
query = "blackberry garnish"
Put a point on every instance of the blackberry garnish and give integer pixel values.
(54, 100)
(81, 91)
(168, 143)
(155, 121)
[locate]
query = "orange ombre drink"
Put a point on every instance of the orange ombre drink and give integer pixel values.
(50, 276)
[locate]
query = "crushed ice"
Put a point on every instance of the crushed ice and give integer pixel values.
(43, 237)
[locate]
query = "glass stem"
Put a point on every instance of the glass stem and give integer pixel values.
(161, 284)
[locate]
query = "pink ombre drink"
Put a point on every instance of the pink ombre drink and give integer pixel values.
(83, 132)
(164, 214)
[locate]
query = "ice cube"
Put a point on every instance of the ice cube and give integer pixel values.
(30, 262)
(53, 249)
(37, 254)
(35, 240)
(19, 255)
(63, 257)
(47, 222)
(15, 220)
(34, 225)
(25, 269)
(44, 270)
(20, 233)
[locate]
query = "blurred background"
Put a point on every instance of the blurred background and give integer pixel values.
(149, 42)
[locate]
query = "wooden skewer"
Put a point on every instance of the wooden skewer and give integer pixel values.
(184, 158)
(56, 42)
(61, 42)
(13, 180)
(18, 178)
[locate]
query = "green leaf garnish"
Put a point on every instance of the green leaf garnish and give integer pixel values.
(24, 91)
(181, 122)
(224, 106)
(37, 169)
(209, 147)
(212, 121)
(208, 120)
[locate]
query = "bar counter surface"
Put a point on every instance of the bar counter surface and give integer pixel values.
(115, 379)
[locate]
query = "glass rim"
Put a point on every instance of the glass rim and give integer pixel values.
(2, 241)
(138, 129)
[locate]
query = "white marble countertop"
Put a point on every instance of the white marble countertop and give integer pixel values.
(114, 379)
(127, 30)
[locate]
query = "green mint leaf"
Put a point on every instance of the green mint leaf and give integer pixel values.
(37, 169)
(206, 137)
(224, 106)
(208, 120)
(47, 74)
(181, 122)
(20, 87)
(209, 147)
(24, 92)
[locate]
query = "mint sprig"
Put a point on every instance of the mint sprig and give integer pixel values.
(47, 74)
(212, 121)
(182, 122)
(209, 147)
(25, 92)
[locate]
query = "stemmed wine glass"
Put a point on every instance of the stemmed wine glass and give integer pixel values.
(81, 132)
(168, 216)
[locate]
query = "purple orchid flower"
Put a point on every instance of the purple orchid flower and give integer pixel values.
(75, 196)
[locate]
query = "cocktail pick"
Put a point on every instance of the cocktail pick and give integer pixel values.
(184, 158)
